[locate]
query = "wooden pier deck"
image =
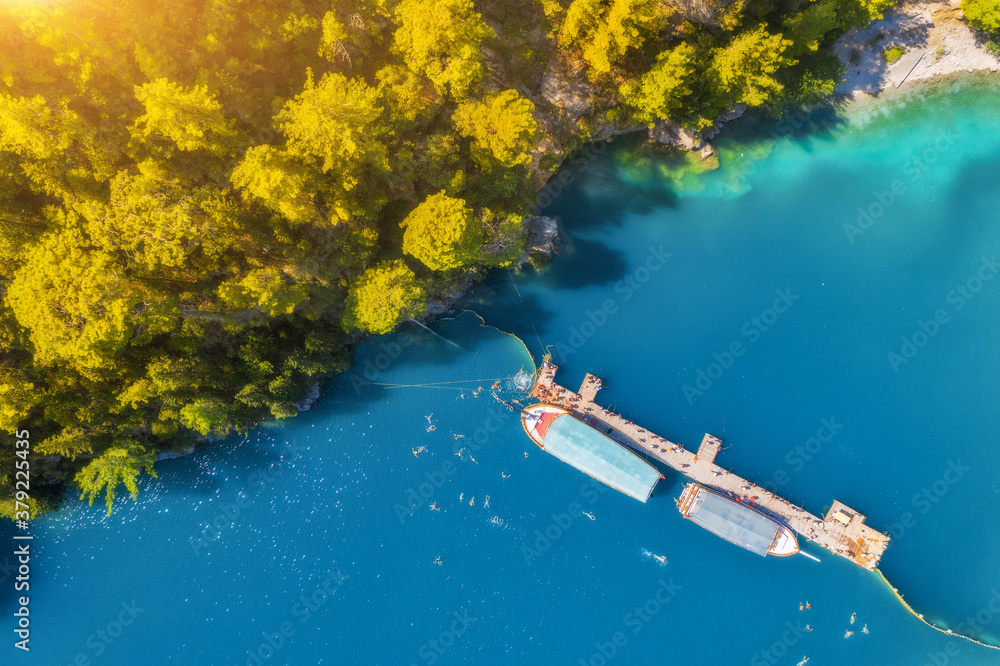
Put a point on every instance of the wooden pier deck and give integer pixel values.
(842, 531)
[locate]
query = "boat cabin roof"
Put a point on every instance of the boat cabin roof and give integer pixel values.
(733, 522)
(596, 454)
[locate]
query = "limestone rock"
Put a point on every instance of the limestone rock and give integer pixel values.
(571, 96)
(729, 116)
(542, 234)
(671, 134)
(701, 11)
(306, 403)
(170, 455)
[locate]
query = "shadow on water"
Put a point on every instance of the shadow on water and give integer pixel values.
(603, 183)
(498, 303)
(412, 349)
(802, 125)
(595, 189)
(584, 263)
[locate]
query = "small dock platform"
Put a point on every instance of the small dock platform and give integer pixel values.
(842, 531)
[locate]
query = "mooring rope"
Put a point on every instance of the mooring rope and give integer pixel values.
(526, 311)
(457, 381)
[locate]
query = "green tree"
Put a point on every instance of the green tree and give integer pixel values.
(119, 464)
(982, 14)
(17, 397)
(338, 125)
(660, 92)
(442, 233)
(190, 118)
(75, 301)
(158, 222)
(808, 28)
(282, 183)
(35, 128)
(443, 40)
(604, 30)
(745, 68)
(382, 297)
(862, 12)
(266, 290)
(208, 416)
(502, 126)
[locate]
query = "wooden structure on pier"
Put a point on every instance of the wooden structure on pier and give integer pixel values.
(842, 531)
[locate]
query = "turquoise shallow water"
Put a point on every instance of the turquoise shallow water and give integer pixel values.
(314, 542)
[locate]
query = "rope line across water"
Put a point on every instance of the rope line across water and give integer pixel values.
(929, 624)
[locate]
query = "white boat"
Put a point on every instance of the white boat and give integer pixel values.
(586, 448)
(736, 522)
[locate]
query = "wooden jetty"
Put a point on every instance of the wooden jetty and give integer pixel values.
(842, 531)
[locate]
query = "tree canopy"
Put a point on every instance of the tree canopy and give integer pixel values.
(442, 233)
(116, 466)
(501, 126)
(442, 40)
(745, 68)
(190, 118)
(982, 14)
(384, 296)
(605, 31)
(660, 92)
(202, 202)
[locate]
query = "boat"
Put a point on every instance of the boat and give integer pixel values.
(589, 450)
(736, 522)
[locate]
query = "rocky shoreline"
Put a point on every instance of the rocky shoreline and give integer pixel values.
(936, 41)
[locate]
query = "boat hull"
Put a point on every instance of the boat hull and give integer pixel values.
(579, 444)
(736, 522)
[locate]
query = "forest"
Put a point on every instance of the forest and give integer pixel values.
(203, 203)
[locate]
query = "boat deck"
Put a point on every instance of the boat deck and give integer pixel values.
(842, 531)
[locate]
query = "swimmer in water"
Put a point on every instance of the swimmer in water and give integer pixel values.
(589, 515)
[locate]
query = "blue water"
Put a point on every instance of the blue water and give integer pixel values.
(313, 542)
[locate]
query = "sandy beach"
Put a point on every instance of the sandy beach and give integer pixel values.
(936, 39)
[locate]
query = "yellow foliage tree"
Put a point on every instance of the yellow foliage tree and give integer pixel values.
(118, 465)
(191, 118)
(382, 297)
(442, 40)
(501, 126)
(442, 233)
